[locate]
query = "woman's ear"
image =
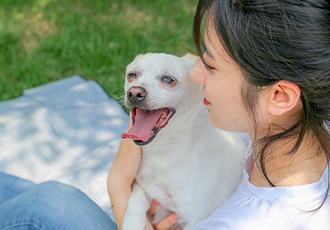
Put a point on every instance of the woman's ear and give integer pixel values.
(283, 96)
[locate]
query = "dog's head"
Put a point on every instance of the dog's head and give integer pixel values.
(157, 87)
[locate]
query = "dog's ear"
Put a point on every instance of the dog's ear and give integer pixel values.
(190, 60)
(140, 55)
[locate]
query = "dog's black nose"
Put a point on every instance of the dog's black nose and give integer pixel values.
(136, 94)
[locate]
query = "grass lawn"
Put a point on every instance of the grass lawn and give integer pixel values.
(45, 40)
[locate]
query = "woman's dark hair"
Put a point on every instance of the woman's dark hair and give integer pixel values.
(273, 40)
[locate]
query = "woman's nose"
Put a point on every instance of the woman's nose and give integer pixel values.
(197, 74)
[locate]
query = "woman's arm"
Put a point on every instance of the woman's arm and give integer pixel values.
(120, 179)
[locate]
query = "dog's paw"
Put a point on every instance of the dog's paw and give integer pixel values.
(133, 224)
(134, 219)
(135, 216)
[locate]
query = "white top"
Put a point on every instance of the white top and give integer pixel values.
(280, 208)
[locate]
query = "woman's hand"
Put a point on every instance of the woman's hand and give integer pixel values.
(163, 224)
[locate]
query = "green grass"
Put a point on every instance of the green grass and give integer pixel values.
(45, 40)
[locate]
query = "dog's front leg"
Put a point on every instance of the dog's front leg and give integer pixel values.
(137, 207)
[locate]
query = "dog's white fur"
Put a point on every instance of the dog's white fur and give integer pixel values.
(190, 167)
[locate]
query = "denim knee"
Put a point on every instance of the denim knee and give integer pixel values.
(11, 186)
(53, 205)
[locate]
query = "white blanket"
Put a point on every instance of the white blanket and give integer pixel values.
(68, 131)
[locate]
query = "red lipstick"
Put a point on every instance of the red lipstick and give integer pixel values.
(206, 102)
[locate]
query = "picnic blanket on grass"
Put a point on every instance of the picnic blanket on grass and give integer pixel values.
(68, 131)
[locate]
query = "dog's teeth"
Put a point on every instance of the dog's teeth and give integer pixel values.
(163, 115)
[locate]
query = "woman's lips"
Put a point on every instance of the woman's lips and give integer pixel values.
(206, 102)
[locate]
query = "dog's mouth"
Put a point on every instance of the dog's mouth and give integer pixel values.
(147, 123)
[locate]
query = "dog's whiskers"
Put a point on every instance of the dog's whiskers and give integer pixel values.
(130, 59)
(121, 100)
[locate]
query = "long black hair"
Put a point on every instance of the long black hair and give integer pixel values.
(273, 40)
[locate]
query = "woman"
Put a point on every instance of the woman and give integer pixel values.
(265, 71)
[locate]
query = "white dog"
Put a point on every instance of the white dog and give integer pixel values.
(188, 166)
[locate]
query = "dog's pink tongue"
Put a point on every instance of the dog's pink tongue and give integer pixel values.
(145, 121)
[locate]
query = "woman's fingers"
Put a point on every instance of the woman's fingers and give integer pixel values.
(153, 206)
(163, 224)
(167, 222)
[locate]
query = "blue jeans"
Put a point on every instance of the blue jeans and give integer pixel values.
(49, 205)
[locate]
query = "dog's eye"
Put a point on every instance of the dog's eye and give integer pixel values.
(168, 80)
(130, 77)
